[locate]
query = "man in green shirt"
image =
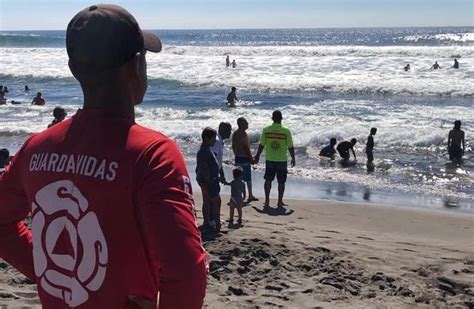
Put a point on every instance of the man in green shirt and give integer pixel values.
(276, 140)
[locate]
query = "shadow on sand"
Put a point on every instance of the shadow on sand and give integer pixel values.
(279, 211)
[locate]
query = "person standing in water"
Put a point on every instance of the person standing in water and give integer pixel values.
(234, 64)
(38, 100)
(227, 61)
(369, 147)
(456, 64)
(232, 97)
(435, 66)
(455, 140)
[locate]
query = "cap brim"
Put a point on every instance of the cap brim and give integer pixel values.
(151, 42)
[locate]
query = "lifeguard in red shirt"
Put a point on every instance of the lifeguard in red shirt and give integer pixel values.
(113, 223)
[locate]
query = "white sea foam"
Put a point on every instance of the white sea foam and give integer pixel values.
(453, 37)
(349, 69)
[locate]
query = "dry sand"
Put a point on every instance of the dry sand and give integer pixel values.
(326, 254)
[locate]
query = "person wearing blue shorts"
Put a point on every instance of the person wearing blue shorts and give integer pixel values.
(243, 156)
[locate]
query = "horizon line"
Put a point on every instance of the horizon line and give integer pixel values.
(268, 28)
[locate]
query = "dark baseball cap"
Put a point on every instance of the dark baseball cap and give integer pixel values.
(106, 36)
(277, 115)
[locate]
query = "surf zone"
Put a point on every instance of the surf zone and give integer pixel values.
(83, 165)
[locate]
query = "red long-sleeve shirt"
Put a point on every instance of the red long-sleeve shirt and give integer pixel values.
(112, 216)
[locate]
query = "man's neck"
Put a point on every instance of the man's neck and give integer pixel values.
(117, 101)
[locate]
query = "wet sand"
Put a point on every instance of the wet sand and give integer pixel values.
(326, 254)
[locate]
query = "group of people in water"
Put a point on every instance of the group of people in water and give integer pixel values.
(435, 66)
(344, 147)
(228, 64)
(37, 100)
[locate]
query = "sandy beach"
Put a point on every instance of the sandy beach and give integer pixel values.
(323, 254)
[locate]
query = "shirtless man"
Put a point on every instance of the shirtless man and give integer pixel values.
(38, 100)
(435, 66)
(455, 139)
(232, 97)
(243, 156)
(344, 147)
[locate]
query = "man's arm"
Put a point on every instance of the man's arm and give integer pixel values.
(259, 152)
(449, 139)
(15, 238)
(169, 222)
(292, 154)
(247, 147)
(204, 167)
(463, 142)
(353, 152)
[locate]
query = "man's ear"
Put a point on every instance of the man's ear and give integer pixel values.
(133, 66)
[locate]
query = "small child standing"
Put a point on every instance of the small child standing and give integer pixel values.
(237, 195)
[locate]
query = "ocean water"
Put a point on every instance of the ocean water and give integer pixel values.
(327, 83)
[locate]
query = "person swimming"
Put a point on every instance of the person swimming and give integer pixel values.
(407, 67)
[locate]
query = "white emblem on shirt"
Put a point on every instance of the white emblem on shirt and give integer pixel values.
(61, 209)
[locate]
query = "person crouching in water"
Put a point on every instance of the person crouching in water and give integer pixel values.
(237, 196)
(59, 115)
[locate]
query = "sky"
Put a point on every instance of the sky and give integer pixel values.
(237, 14)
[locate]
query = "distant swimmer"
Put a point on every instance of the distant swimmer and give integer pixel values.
(227, 61)
(234, 64)
(232, 97)
(27, 88)
(38, 100)
(329, 150)
(456, 64)
(3, 100)
(435, 66)
(455, 140)
(407, 67)
(344, 147)
(369, 147)
(59, 115)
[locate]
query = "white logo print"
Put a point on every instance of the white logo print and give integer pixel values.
(61, 209)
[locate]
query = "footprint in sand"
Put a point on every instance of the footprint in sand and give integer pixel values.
(330, 231)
